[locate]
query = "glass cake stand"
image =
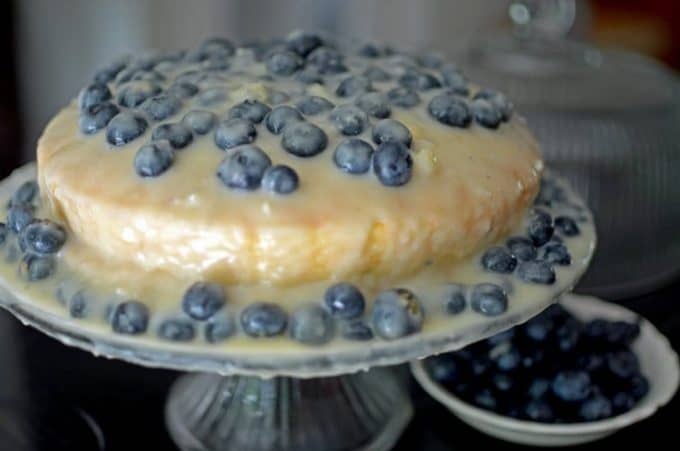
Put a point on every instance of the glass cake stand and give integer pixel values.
(332, 398)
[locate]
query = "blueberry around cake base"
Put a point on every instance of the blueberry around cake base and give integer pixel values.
(504, 285)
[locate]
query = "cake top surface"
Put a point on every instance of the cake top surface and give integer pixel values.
(255, 142)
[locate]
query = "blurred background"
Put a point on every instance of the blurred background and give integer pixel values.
(597, 80)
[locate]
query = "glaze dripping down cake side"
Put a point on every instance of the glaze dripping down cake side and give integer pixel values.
(281, 166)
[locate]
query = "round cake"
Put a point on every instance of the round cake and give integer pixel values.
(298, 188)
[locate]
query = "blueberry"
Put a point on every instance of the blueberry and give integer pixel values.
(77, 305)
(550, 192)
(397, 313)
(538, 388)
(450, 110)
(3, 233)
(234, 132)
(454, 298)
(488, 299)
(280, 179)
(349, 119)
(96, 117)
(283, 63)
(539, 328)
(485, 399)
(357, 331)
(392, 164)
(556, 253)
(94, 94)
(161, 106)
(25, 193)
(19, 216)
(571, 386)
(263, 320)
(176, 330)
(374, 73)
(390, 130)
(244, 168)
(403, 97)
(443, 368)
(538, 272)
(313, 105)
(540, 411)
(374, 104)
(567, 226)
(135, 93)
(454, 80)
(215, 64)
(485, 113)
(344, 301)
(499, 259)
(639, 386)
(200, 122)
(302, 42)
(352, 86)
(431, 60)
(182, 90)
(211, 97)
(621, 332)
(596, 329)
(353, 156)
(568, 335)
(304, 140)
(623, 364)
(277, 97)
(219, 328)
(596, 408)
(37, 267)
(12, 252)
(311, 325)
(498, 100)
(151, 160)
(216, 47)
(540, 228)
(327, 60)
(590, 362)
(309, 76)
(622, 402)
(202, 300)
(419, 81)
(508, 360)
(42, 236)
(125, 127)
(281, 116)
(501, 338)
(502, 382)
(369, 50)
(177, 134)
(522, 248)
(109, 73)
(130, 317)
(252, 110)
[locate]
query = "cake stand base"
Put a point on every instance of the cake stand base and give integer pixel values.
(364, 411)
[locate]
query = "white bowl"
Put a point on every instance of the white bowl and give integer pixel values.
(658, 362)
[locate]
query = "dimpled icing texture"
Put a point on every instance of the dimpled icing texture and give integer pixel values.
(470, 186)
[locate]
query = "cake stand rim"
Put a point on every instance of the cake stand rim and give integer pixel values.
(316, 362)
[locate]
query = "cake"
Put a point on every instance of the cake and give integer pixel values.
(296, 188)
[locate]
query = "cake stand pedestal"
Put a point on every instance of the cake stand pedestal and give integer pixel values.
(362, 411)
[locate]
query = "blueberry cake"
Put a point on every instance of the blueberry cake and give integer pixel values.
(297, 191)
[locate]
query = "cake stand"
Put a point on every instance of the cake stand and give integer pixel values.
(306, 399)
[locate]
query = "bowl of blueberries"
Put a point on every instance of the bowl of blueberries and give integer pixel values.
(579, 371)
